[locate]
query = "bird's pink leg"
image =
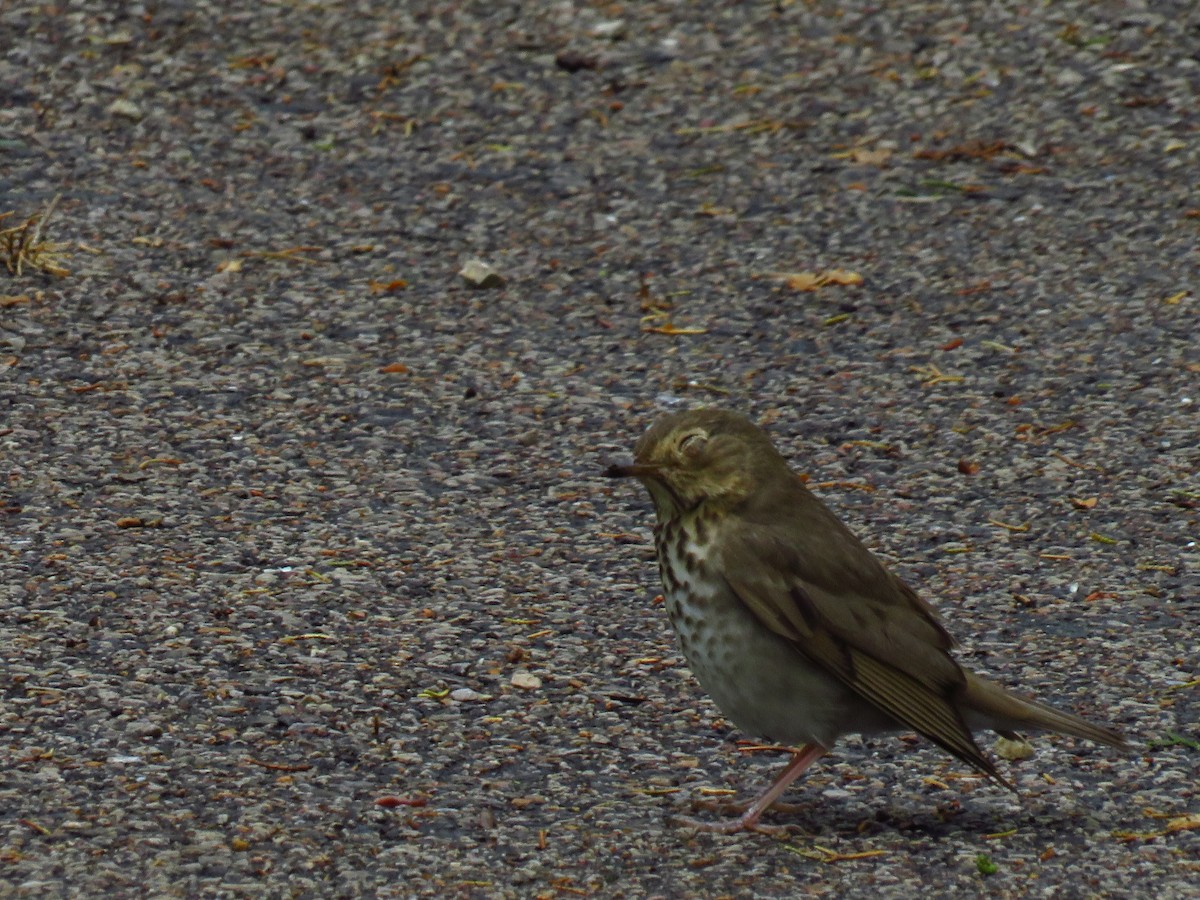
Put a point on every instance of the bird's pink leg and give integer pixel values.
(748, 821)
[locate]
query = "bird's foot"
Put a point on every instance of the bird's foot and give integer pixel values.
(750, 815)
(736, 826)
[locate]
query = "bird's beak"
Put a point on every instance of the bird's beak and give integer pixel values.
(626, 468)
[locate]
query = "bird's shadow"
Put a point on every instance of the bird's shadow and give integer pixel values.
(937, 819)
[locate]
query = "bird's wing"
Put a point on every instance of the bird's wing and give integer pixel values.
(845, 612)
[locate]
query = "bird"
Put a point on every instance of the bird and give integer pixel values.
(794, 628)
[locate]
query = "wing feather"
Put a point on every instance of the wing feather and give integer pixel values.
(838, 605)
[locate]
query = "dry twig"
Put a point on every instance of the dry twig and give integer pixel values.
(23, 246)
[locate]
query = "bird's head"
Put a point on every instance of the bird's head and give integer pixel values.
(701, 456)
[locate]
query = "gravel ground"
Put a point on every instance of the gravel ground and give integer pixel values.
(310, 585)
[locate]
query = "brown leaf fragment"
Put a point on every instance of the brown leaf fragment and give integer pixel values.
(1139, 100)
(525, 802)
(391, 802)
(811, 281)
(968, 150)
(160, 461)
(387, 287)
(279, 767)
(803, 281)
(260, 61)
(981, 287)
(866, 157)
(841, 276)
(1084, 503)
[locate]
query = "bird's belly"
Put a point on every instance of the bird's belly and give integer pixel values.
(767, 687)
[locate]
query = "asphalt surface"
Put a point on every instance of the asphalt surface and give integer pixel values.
(309, 582)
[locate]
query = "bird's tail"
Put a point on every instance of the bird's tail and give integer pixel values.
(991, 706)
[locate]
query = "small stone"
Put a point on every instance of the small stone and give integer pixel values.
(478, 274)
(144, 730)
(612, 30)
(126, 109)
(526, 681)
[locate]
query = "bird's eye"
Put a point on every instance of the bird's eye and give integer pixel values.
(693, 443)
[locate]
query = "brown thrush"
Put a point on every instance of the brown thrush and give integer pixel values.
(796, 630)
